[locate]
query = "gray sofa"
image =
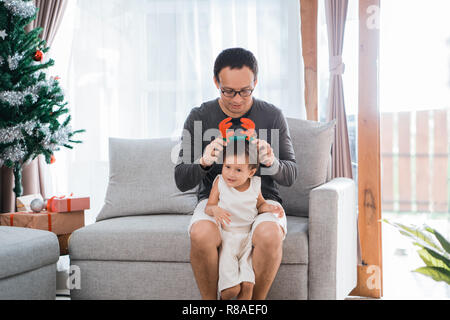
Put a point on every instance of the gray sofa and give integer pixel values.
(28, 260)
(139, 247)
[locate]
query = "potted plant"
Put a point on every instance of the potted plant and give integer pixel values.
(434, 250)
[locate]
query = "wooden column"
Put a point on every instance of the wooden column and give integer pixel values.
(369, 172)
(308, 13)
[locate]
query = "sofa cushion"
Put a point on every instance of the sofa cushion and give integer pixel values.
(24, 249)
(141, 180)
(134, 238)
(312, 143)
(162, 238)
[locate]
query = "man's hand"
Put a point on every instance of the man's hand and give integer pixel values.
(265, 152)
(211, 152)
(221, 216)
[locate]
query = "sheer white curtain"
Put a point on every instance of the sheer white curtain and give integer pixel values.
(135, 69)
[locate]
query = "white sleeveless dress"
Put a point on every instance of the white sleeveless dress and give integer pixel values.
(235, 262)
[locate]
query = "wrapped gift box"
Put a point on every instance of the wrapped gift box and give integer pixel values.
(24, 203)
(59, 223)
(68, 204)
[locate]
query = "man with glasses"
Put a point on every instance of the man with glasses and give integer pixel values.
(235, 75)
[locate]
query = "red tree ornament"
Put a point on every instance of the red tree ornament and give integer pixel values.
(38, 55)
(53, 159)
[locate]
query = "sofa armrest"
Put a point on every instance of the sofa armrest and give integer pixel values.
(332, 240)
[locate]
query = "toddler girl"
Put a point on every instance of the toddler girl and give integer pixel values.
(234, 202)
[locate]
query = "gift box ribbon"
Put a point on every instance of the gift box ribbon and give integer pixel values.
(11, 219)
(51, 203)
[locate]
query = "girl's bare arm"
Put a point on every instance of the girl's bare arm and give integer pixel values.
(212, 206)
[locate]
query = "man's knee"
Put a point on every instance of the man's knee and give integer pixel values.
(204, 234)
(268, 235)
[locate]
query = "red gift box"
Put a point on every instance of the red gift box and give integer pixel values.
(68, 204)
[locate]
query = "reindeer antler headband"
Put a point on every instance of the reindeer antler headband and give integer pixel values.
(246, 123)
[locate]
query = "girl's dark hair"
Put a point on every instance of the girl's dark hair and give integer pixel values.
(242, 147)
(235, 58)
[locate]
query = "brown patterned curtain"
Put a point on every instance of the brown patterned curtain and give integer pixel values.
(336, 14)
(49, 18)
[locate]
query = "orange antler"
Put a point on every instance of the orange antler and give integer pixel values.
(224, 126)
(250, 126)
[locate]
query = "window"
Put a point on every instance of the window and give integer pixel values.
(135, 69)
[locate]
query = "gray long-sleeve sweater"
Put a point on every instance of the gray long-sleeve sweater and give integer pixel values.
(189, 173)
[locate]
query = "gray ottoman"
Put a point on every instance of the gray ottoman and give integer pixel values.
(27, 264)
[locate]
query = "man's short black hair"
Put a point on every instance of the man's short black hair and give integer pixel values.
(235, 58)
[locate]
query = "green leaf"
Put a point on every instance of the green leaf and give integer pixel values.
(416, 234)
(444, 243)
(440, 253)
(436, 273)
(433, 259)
(425, 256)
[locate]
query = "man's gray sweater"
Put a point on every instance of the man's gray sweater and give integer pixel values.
(189, 173)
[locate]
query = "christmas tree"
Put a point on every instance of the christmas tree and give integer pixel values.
(30, 103)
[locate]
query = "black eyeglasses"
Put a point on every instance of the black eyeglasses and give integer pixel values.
(230, 93)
